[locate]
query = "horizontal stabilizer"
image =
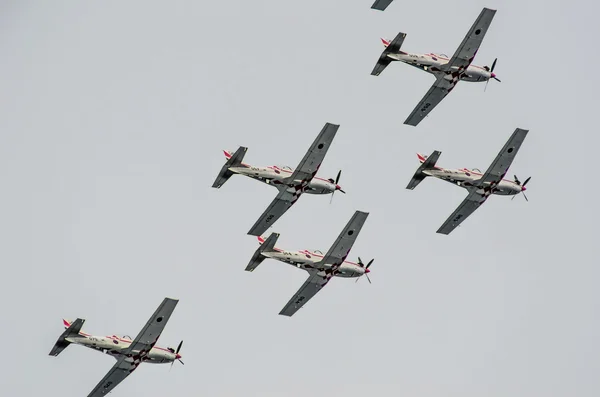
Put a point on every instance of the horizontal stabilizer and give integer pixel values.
(392, 48)
(62, 343)
(234, 161)
(267, 246)
(427, 163)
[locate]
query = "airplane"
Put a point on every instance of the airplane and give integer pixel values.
(446, 71)
(128, 353)
(480, 186)
(291, 183)
(321, 268)
(381, 4)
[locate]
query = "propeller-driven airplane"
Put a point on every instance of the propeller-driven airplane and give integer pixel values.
(446, 71)
(381, 4)
(480, 186)
(291, 183)
(320, 267)
(129, 353)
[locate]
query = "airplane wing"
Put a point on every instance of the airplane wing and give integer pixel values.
(311, 286)
(276, 209)
(466, 208)
(139, 348)
(312, 160)
(381, 4)
(434, 96)
(494, 174)
(116, 375)
(465, 53)
(342, 246)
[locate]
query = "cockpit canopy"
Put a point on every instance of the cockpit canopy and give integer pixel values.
(124, 337)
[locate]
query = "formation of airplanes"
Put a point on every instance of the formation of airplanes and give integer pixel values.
(292, 183)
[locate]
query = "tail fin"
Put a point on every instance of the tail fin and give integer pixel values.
(233, 160)
(267, 245)
(427, 162)
(72, 329)
(390, 48)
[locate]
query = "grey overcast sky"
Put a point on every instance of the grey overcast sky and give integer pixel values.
(112, 121)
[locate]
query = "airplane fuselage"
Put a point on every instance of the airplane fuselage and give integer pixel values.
(468, 179)
(275, 176)
(115, 346)
(435, 64)
(309, 260)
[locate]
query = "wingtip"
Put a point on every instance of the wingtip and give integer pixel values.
(385, 42)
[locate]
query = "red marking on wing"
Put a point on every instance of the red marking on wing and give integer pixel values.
(385, 42)
(260, 239)
(227, 154)
(66, 323)
(421, 157)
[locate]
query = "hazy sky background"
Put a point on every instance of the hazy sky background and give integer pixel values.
(112, 121)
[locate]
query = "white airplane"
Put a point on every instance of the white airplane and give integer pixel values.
(290, 183)
(381, 4)
(446, 71)
(129, 353)
(320, 267)
(480, 186)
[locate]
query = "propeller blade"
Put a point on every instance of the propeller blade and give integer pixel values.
(179, 347)
(497, 79)
(337, 179)
(517, 181)
(486, 83)
(526, 199)
(526, 180)
(360, 262)
(171, 367)
(368, 278)
(342, 191)
(370, 262)
(494, 65)
(182, 363)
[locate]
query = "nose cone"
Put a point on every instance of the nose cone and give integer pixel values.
(177, 356)
(523, 188)
(367, 270)
(492, 75)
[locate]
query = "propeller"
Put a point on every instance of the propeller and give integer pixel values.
(335, 182)
(491, 70)
(177, 356)
(361, 264)
(518, 182)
